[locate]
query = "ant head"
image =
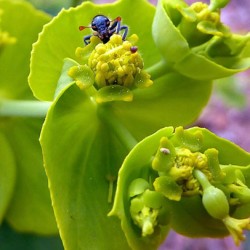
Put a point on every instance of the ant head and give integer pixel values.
(100, 22)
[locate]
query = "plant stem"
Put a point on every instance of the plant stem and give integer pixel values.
(21, 108)
(122, 133)
(202, 179)
(159, 69)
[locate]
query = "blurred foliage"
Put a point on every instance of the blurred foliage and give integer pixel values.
(11, 240)
(52, 7)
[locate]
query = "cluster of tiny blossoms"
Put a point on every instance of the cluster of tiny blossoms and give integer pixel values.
(115, 63)
(182, 171)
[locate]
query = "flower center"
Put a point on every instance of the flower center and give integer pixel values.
(115, 62)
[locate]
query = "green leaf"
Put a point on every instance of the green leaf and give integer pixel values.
(7, 176)
(82, 158)
(50, 49)
(30, 208)
(15, 58)
(171, 101)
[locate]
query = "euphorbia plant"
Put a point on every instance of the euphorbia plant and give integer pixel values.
(105, 97)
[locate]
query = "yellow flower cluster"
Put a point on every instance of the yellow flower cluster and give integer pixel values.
(116, 62)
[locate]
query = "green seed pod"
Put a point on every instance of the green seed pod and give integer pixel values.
(215, 202)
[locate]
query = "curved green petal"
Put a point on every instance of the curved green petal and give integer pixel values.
(172, 45)
(30, 208)
(51, 49)
(7, 176)
(82, 158)
(15, 58)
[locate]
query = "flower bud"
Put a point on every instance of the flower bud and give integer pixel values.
(148, 212)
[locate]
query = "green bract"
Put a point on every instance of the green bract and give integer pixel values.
(25, 200)
(194, 42)
(193, 170)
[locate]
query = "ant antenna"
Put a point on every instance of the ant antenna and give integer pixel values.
(118, 19)
(83, 27)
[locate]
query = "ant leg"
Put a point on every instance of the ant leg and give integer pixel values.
(116, 26)
(113, 26)
(125, 28)
(86, 39)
